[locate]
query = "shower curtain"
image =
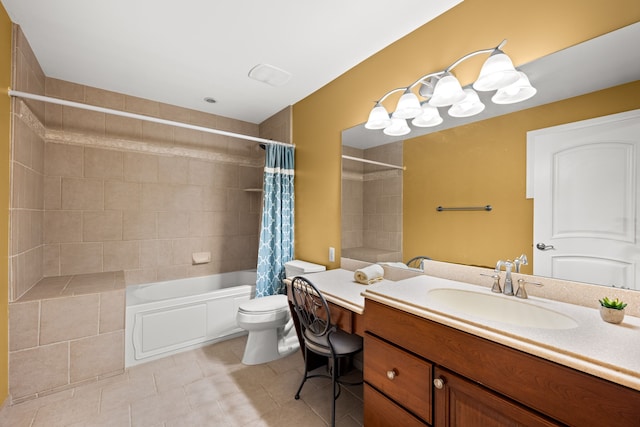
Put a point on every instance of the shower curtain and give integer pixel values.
(276, 235)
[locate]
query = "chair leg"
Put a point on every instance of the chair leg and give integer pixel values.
(334, 383)
(304, 377)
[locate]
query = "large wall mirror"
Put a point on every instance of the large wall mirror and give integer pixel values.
(389, 201)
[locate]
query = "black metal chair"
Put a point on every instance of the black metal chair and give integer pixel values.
(321, 336)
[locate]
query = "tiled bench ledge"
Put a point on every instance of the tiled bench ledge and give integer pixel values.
(65, 331)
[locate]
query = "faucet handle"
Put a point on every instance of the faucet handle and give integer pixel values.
(496, 282)
(522, 292)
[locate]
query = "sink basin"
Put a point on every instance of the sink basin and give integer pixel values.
(500, 309)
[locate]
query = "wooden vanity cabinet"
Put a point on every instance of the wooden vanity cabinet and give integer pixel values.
(472, 381)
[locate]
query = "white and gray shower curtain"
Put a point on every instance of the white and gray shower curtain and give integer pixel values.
(276, 234)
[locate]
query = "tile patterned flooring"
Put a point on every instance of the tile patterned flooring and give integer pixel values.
(203, 387)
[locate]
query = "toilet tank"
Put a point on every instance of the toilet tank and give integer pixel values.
(298, 267)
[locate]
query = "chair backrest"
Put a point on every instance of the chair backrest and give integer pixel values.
(311, 307)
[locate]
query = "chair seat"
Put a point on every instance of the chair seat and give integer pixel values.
(344, 344)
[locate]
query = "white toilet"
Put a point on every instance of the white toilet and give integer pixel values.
(269, 322)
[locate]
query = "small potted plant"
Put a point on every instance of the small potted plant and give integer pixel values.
(612, 311)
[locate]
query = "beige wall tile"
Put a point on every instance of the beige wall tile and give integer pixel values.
(103, 98)
(52, 192)
(140, 167)
(62, 226)
(83, 121)
(214, 199)
(101, 226)
(148, 253)
(157, 133)
(123, 127)
(173, 170)
(139, 225)
(85, 194)
(182, 251)
(80, 258)
(63, 160)
(53, 116)
(122, 195)
(112, 309)
(64, 89)
(100, 163)
(21, 148)
(172, 272)
(121, 255)
(173, 224)
(95, 356)
(51, 260)
(165, 252)
(141, 106)
(69, 318)
(38, 369)
(23, 325)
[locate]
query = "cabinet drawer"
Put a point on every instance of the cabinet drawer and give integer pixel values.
(399, 375)
(382, 412)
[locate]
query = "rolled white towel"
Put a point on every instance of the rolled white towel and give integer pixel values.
(368, 275)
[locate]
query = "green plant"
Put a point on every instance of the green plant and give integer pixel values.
(615, 304)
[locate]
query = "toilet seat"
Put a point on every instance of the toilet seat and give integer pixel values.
(265, 309)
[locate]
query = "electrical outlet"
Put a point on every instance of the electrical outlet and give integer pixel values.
(332, 254)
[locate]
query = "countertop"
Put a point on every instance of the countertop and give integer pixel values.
(605, 350)
(339, 287)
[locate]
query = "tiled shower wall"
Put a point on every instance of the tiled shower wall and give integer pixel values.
(93, 192)
(372, 205)
(27, 174)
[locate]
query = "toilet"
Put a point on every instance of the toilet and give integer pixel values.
(268, 320)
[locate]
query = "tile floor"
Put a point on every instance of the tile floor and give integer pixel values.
(204, 387)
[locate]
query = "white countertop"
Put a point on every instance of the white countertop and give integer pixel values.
(602, 349)
(339, 287)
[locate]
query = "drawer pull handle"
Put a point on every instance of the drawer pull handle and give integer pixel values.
(438, 383)
(392, 374)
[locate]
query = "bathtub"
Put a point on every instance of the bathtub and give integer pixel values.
(165, 318)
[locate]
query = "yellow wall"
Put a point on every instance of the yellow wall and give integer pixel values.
(533, 29)
(5, 80)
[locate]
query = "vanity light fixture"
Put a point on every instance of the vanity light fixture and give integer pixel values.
(442, 89)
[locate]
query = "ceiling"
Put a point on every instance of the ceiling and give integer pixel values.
(606, 61)
(182, 52)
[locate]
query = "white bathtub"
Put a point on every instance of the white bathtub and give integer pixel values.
(169, 317)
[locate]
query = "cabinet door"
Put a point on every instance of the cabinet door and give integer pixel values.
(460, 403)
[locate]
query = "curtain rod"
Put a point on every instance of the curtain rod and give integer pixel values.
(373, 162)
(73, 104)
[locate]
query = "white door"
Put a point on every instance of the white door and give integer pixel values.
(584, 179)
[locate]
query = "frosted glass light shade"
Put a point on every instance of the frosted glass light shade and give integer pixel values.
(497, 72)
(430, 117)
(378, 118)
(469, 106)
(447, 92)
(408, 106)
(519, 91)
(398, 127)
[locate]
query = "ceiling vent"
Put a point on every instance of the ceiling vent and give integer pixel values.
(270, 75)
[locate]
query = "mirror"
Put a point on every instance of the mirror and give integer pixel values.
(588, 67)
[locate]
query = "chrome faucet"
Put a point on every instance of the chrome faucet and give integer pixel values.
(521, 260)
(508, 282)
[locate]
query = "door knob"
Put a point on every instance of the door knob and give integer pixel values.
(438, 383)
(544, 247)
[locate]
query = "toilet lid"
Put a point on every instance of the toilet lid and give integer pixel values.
(270, 303)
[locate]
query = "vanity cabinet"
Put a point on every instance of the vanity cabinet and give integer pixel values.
(431, 374)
